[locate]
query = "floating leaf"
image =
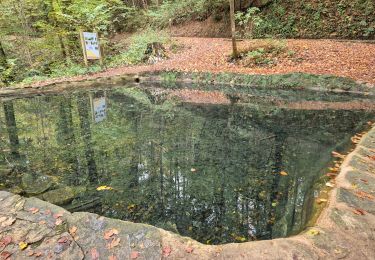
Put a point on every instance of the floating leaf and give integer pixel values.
(134, 255)
(313, 232)
(320, 201)
(22, 245)
(104, 188)
(193, 170)
(283, 173)
(329, 184)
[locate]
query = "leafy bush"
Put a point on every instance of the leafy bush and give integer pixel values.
(248, 21)
(177, 11)
(264, 53)
(136, 52)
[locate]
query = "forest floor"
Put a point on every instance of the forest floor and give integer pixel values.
(351, 59)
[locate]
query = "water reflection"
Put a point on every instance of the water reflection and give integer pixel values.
(217, 173)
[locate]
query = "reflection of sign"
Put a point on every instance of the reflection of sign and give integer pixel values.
(91, 45)
(100, 109)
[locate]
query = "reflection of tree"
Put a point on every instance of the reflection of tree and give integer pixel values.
(83, 104)
(206, 171)
(10, 121)
(66, 138)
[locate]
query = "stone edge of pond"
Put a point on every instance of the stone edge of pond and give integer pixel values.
(345, 229)
(202, 80)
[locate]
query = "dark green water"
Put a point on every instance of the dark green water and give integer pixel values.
(211, 172)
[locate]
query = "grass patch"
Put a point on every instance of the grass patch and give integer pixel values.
(264, 53)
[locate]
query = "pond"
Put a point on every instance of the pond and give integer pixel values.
(237, 168)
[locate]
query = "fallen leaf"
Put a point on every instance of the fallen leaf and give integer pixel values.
(5, 241)
(38, 254)
(134, 255)
(167, 250)
(371, 157)
(30, 253)
(22, 245)
(338, 155)
(109, 233)
(364, 181)
(331, 175)
(63, 240)
(58, 215)
(8, 222)
(94, 254)
(115, 242)
(364, 195)
(47, 212)
(189, 250)
(42, 222)
(104, 188)
(34, 210)
(329, 184)
(5, 255)
(73, 230)
(360, 212)
(283, 173)
(58, 222)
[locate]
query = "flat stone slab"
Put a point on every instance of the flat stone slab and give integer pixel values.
(34, 229)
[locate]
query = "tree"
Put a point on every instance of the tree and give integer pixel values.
(233, 28)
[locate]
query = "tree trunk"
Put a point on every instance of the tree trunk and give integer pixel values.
(233, 28)
(10, 121)
(84, 117)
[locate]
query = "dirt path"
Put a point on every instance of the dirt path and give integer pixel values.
(350, 59)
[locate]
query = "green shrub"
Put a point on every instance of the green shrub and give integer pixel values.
(136, 52)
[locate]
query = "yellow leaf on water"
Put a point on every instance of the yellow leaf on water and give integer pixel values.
(22, 245)
(283, 173)
(313, 232)
(104, 188)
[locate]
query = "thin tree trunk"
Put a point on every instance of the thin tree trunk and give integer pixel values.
(10, 121)
(233, 28)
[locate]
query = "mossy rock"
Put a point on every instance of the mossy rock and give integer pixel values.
(63, 195)
(34, 184)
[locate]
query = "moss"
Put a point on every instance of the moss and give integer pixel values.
(287, 81)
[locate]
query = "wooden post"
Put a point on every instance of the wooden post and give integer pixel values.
(83, 48)
(233, 28)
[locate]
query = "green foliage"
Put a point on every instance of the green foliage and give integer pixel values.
(176, 12)
(311, 19)
(136, 53)
(249, 21)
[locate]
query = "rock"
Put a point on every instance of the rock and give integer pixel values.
(63, 195)
(35, 184)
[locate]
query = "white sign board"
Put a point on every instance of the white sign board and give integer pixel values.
(100, 109)
(91, 45)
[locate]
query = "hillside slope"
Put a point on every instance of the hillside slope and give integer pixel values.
(345, 19)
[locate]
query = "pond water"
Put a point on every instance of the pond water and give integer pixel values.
(227, 172)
